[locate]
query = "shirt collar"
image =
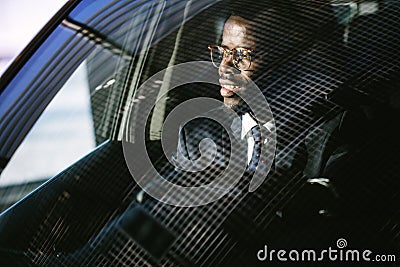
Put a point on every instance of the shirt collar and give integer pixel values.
(248, 122)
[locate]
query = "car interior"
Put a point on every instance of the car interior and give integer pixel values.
(335, 106)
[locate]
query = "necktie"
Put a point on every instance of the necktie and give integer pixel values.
(255, 158)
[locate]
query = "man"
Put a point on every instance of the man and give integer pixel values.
(237, 64)
(266, 48)
(256, 46)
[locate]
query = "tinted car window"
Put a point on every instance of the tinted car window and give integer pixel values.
(326, 76)
(63, 134)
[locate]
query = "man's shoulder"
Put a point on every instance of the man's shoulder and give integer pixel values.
(209, 121)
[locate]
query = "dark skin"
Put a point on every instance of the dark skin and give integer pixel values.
(238, 33)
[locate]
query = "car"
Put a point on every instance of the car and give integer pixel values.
(95, 109)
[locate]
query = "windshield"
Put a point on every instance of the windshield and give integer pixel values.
(204, 124)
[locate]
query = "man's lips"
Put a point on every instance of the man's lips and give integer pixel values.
(228, 88)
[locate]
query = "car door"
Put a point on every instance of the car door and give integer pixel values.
(107, 76)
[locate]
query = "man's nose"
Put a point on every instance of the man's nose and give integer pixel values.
(227, 66)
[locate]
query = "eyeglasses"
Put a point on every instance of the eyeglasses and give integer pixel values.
(241, 57)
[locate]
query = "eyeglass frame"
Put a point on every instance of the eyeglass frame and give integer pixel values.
(230, 52)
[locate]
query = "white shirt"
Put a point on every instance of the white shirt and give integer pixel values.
(247, 123)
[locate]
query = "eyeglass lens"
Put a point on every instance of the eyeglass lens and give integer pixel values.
(240, 57)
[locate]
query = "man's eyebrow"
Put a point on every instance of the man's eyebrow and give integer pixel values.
(245, 47)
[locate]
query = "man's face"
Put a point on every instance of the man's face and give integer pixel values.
(238, 33)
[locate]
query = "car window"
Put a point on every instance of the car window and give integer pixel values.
(312, 148)
(63, 134)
